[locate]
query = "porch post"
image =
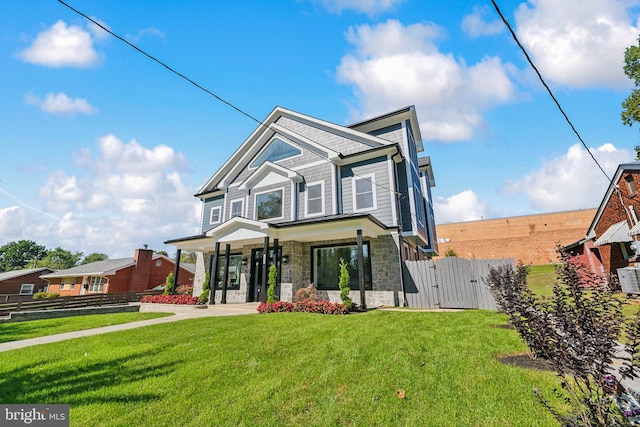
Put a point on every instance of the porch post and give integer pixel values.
(227, 249)
(274, 259)
(213, 274)
(265, 257)
(176, 270)
(363, 300)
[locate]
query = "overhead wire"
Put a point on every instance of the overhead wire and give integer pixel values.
(209, 92)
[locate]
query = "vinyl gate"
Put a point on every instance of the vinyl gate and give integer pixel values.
(450, 282)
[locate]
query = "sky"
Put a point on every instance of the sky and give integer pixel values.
(103, 149)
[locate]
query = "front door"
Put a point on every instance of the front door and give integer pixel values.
(258, 292)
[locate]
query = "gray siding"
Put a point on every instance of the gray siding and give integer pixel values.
(208, 205)
(330, 140)
(390, 133)
(317, 173)
(382, 188)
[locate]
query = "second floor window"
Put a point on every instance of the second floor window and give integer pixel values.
(269, 205)
(315, 199)
(237, 208)
(214, 217)
(364, 197)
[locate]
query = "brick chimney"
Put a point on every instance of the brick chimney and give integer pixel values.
(141, 270)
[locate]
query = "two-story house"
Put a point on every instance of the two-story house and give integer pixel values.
(302, 192)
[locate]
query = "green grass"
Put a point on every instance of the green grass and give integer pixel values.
(287, 369)
(39, 328)
(541, 279)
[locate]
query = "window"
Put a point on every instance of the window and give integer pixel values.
(72, 285)
(269, 205)
(96, 284)
(633, 190)
(62, 284)
(235, 267)
(364, 196)
(26, 289)
(237, 208)
(326, 266)
(315, 199)
(158, 263)
(214, 216)
(276, 150)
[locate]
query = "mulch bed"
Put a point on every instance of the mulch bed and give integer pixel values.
(523, 360)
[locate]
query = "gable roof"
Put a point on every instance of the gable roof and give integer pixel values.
(8, 275)
(98, 268)
(269, 128)
(622, 168)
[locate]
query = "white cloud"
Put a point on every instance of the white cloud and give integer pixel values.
(464, 206)
(62, 46)
(578, 43)
(395, 65)
(114, 200)
(98, 32)
(570, 181)
(146, 32)
(60, 104)
(368, 7)
(475, 24)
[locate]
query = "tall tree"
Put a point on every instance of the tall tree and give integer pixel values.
(93, 257)
(631, 105)
(188, 257)
(60, 259)
(20, 254)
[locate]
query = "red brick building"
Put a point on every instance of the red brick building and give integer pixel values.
(23, 282)
(615, 226)
(142, 272)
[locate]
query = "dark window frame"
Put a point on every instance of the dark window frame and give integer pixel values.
(368, 285)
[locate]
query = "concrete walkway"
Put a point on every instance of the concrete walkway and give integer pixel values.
(181, 313)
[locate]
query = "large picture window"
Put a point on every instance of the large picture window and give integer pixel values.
(235, 267)
(326, 265)
(269, 205)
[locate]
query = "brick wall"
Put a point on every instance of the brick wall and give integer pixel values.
(12, 286)
(529, 238)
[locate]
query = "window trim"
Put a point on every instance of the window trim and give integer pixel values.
(99, 287)
(306, 199)
(24, 286)
(255, 204)
(213, 209)
(371, 179)
(231, 215)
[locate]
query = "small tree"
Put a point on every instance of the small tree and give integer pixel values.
(577, 332)
(204, 296)
(343, 284)
(168, 289)
(271, 291)
(450, 252)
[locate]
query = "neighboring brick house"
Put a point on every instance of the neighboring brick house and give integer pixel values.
(23, 282)
(615, 225)
(531, 239)
(299, 192)
(142, 272)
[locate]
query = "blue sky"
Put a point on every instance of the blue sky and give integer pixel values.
(103, 149)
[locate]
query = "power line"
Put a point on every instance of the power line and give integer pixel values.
(238, 109)
(513, 34)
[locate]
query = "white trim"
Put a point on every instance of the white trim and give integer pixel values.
(241, 200)
(392, 194)
(23, 290)
(371, 179)
(334, 190)
(306, 199)
(310, 165)
(215, 208)
(255, 203)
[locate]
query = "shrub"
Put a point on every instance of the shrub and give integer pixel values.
(306, 293)
(271, 291)
(204, 296)
(170, 299)
(170, 282)
(53, 295)
(343, 284)
(40, 295)
(576, 330)
(450, 252)
(206, 288)
(304, 306)
(184, 290)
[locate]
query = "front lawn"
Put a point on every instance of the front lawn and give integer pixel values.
(15, 331)
(288, 369)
